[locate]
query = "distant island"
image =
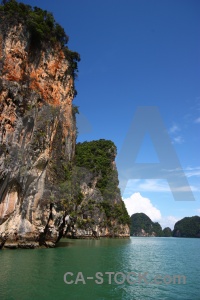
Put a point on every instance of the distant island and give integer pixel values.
(187, 227)
(142, 225)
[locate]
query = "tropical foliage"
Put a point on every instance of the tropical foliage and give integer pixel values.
(98, 158)
(187, 227)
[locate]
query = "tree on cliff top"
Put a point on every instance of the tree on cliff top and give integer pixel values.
(42, 27)
(98, 157)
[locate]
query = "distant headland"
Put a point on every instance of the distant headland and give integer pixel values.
(142, 225)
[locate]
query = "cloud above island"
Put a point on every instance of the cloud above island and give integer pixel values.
(136, 203)
(161, 185)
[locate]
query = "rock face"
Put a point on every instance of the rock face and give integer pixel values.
(37, 133)
(42, 197)
(99, 209)
(143, 233)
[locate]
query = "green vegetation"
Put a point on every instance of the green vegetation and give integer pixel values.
(93, 164)
(167, 232)
(121, 214)
(187, 227)
(42, 27)
(70, 191)
(141, 221)
(116, 211)
(85, 223)
(98, 157)
(75, 109)
(157, 229)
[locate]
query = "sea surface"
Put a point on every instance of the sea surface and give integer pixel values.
(124, 269)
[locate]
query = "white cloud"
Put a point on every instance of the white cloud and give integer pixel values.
(198, 211)
(186, 188)
(197, 120)
(189, 171)
(193, 173)
(155, 185)
(136, 203)
(174, 129)
(146, 185)
(178, 139)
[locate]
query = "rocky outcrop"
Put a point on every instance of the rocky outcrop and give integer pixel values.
(187, 227)
(167, 232)
(143, 233)
(97, 206)
(37, 135)
(44, 192)
(142, 225)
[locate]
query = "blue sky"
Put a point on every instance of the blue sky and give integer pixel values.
(139, 53)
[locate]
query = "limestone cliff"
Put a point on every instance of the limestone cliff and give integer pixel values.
(37, 133)
(42, 185)
(97, 205)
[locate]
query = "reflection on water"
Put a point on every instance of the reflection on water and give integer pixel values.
(63, 243)
(39, 273)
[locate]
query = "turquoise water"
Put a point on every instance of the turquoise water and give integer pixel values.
(39, 274)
